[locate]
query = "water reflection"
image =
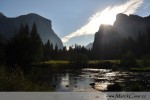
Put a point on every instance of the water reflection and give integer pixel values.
(64, 80)
(90, 79)
(101, 86)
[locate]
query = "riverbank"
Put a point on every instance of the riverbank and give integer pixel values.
(17, 80)
(42, 75)
(110, 64)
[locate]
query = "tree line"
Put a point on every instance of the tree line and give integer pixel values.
(26, 48)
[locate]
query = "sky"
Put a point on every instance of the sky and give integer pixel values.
(75, 21)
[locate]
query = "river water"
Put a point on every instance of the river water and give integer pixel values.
(91, 79)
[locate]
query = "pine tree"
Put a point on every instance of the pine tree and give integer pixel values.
(47, 51)
(34, 33)
(36, 48)
(17, 49)
(2, 45)
(24, 48)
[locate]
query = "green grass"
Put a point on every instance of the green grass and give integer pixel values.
(55, 62)
(141, 69)
(101, 61)
(67, 62)
(90, 61)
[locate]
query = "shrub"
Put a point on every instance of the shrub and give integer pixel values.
(128, 60)
(146, 61)
(135, 87)
(80, 59)
(114, 87)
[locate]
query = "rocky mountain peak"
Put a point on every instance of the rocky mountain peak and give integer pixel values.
(44, 27)
(2, 15)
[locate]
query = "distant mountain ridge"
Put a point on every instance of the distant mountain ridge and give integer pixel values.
(89, 46)
(8, 26)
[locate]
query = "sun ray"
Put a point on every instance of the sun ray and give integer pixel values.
(107, 16)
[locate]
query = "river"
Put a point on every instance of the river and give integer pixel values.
(91, 79)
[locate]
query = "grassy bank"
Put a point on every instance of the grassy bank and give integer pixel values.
(67, 62)
(39, 77)
(58, 64)
(141, 69)
(55, 62)
(16, 80)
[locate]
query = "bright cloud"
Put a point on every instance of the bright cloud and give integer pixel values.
(107, 16)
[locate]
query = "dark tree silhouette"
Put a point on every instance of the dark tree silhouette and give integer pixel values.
(36, 44)
(2, 46)
(47, 53)
(24, 48)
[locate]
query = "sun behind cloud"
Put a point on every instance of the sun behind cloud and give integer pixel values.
(107, 16)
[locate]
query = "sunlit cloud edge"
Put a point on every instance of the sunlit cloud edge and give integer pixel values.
(103, 17)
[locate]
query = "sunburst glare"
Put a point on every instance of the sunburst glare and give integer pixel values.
(107, 16)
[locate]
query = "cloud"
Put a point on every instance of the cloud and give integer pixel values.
(107, 16)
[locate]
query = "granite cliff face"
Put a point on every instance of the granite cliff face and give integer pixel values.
(124, 27)
(126, 33)
(131, 25)
(8, 27)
